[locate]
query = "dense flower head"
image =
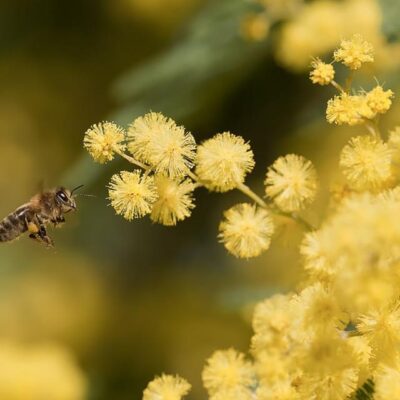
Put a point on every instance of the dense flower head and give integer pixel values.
(174, 202)
(291, 182)
(281, 390)
(103, 140)
(346, 109)
(379, 100)
(318, 308)
(223, 161)
(321, 73)
(382, 329)
(272, 320)
(166, 387)
(387, 383)
(227, 370)
(314, 253)
(366, 162)
(354, 52)
(394, 145)
(246, 230)
(132, 194)
(159, 142)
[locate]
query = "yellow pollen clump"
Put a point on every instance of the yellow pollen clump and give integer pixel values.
(322, 73)
(132, 194)
(366, 162)
(291, 182)
(246, 230)
(166, 387)
(354, 52)
(223, 161)
(103, 140)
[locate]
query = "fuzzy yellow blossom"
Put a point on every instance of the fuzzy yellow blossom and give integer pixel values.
(382, 329)
(132, 194)
(318, 308)
(237, 393)
(338, 385)
(246, 230)
(379, 100)
(387, 383)
(103, 140)
(39, 372)
(227, 370)
(366, 163)
(313, 250)
(291, 182)
(174, 202)
(271, 364)
(281, 390)
(321, 73)
(223, 162)
(354, 52)
(166, 387)
(159, 142)
(394, 145)
(272, 319)
(347, 109)
(255, 27)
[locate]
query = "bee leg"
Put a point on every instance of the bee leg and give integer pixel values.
(44, 237)
(39, 234)
(58, 221)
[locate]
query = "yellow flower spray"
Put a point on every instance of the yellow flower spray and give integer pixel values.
(339, 336)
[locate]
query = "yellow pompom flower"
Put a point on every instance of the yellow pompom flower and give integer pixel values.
(382, 329)
(348, 109)
(166, 387)
(272, 319)
(366, 163)
(379, 100)
(103, 140)
(227, 370)
(387, 384)
(354, 52)
(318, 308)
(281, 390)
(322, 73)
(157, 141)
(246, 230)
(394, 145)
(174, 202)
(291, 182)
(313, 250)
(223, 162)
(238, 393)
(132, 194)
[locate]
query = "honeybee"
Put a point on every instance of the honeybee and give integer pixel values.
(47, 207)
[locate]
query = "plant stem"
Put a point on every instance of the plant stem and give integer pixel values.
(133, 160)
(248, 192)
(337, 86)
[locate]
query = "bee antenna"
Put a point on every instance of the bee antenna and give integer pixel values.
(77, 188)
(86, 195)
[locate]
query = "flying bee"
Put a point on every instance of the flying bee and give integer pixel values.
(47, 207)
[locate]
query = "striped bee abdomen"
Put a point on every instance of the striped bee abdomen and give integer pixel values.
(13, 225)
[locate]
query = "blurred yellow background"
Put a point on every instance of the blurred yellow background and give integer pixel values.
(115, 303)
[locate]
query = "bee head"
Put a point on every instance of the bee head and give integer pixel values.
(65, 199)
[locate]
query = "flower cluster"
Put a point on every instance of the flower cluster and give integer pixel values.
(169, 166)
(338, 336)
